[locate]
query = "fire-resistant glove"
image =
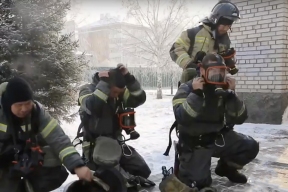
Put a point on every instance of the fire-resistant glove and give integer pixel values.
(129, 78)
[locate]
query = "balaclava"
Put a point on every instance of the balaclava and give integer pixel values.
(222, 21)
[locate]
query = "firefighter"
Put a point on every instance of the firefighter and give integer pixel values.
(106, 109)
(32, 144)
(204, 107)
(210, 36)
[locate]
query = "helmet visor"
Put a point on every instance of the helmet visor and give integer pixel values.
(234, 19)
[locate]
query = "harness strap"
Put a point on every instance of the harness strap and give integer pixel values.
(78, 135)
(174, 125)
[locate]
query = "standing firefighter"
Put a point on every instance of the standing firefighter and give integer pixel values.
(107, 108)
(32, 144)
(210, 36)
(204, 113)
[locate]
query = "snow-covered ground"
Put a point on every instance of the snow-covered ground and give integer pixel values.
(154, 119)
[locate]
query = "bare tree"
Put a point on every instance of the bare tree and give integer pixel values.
(164, 20)
(75, 9)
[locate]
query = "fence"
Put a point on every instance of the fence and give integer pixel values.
(148, 76)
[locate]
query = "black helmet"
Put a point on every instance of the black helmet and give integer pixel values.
(82, 185)
(107, 177)
(226, 10)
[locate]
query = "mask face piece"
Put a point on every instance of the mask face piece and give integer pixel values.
(127, 119)
(216, 75)
(230, 61)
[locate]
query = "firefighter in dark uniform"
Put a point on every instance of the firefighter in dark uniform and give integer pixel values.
(103, 110)
(32, 144)
(203, 117)
(210, 36)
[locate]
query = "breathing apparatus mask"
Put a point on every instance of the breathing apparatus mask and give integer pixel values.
(127, 123)
(215, 74)
(230, 60)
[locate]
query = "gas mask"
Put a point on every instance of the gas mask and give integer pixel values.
(230, 60)
(127, 122)
(215, 74)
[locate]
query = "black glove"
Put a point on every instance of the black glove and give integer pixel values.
(130, 79)
(199, 57)
(231, 94)
(233, 70)
(138, 180)
(198, 92)
(230, 60)
(192, 64)
(226, 94)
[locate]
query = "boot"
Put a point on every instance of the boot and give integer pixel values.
(223, 170)
(172, 184)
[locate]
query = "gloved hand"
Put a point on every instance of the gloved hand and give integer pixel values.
(191, 64)
(197, 60)
(129, 78)
(122, 68)
(138, 180)
(233, 70)
(230, 60)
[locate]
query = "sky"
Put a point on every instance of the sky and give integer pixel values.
(89, 11)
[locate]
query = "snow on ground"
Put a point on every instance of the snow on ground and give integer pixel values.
(154, 119)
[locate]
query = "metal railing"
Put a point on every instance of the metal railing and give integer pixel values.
(147, 76)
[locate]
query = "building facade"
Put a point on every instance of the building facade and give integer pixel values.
(112, 42)
(260, 39)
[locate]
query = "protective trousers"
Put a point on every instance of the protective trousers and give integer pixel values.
(45, 180)
(131, 161)
(9, 185)
(233, 148)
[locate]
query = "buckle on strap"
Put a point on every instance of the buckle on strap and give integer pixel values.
(218, 145)
(123, 145)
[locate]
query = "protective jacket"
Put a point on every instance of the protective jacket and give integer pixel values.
(45, 129)
(101, 111)
(200, 38)
(199, 114)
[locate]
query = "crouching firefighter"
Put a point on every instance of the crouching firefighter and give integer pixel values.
(106, 108)
(204, 109)
(33, 146)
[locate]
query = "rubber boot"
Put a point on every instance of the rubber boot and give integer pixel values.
(223, 170)
(173, 184)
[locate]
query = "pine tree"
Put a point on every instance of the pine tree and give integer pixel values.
(32, 46)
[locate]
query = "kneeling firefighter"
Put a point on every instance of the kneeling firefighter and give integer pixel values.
(33, 146)
(106, 108)
(204, 109)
